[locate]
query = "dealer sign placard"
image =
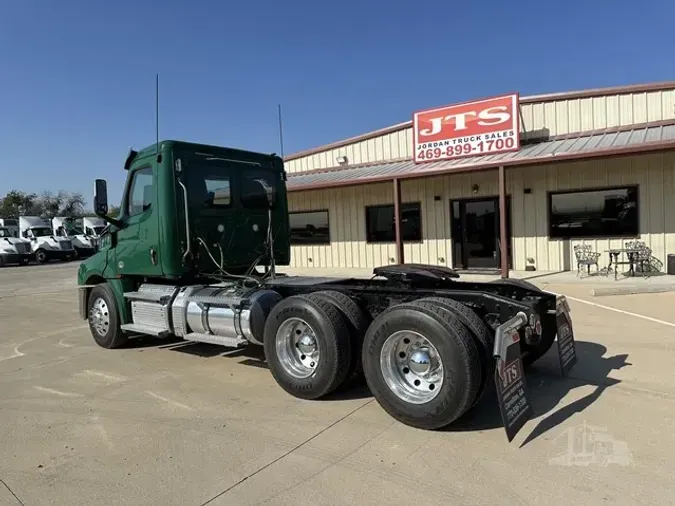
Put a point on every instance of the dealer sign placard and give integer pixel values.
(481, 127)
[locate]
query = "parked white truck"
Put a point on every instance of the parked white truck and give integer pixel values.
(73, 230)
(13, 249)
(44, 243)
(11, 225)
(93, 226)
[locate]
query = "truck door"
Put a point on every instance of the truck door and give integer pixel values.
(138, 242)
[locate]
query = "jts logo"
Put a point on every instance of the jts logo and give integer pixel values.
(458, 121)
(470, 129)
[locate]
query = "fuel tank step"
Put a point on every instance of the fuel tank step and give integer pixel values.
(230, 342)
(160, 298)
(145, 329)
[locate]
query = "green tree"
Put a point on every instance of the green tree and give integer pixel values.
(47, 205)
(17, 203)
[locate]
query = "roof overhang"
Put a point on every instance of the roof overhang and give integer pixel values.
(533, 99)
(651, 137)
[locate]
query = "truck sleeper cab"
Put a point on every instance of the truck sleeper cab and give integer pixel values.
(194, 253)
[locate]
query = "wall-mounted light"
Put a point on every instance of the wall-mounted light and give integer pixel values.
(475, 188)
(341, 160)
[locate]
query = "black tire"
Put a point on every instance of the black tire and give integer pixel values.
(108, 336)
(41, 256)
(332, 339)
(483, 338)
(357, 321)
(533, 353)
(458, 353)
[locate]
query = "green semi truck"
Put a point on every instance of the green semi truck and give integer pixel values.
(194, 254)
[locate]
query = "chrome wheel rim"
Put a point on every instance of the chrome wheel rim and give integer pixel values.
(99, 317)
(297, 348)
(411, 367)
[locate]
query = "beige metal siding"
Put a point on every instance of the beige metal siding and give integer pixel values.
(654, 173)
(553, 118)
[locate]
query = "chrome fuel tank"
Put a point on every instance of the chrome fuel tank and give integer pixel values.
(225, 311)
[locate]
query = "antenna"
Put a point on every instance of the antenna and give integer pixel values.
(281, 133)
(159, 157)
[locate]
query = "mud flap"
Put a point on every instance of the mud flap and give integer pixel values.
(510, 378)
(567, 351)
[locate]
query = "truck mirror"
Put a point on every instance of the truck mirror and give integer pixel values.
(101, 198)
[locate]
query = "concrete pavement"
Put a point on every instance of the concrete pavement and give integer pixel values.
(169, 423)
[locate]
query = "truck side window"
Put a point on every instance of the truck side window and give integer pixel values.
(140, 195)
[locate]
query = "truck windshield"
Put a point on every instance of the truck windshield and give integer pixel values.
(99, 230)
(42, 231)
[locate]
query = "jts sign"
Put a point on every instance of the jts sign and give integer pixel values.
(470, 129)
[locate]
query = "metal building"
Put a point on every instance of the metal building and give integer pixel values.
(594, 166)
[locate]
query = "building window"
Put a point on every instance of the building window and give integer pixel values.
(380, 223)
(309, 227)
(607, 212)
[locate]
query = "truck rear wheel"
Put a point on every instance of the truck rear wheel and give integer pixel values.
(482, 337)
(103, 318)
(421, 365)
(307, 346)
(357, 321)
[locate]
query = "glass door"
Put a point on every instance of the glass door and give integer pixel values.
(475, 233)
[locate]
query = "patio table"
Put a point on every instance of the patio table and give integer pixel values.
(631, 254)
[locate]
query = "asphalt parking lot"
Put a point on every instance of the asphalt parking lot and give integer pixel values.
(171, 423)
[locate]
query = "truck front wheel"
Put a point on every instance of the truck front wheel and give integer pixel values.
(307, 346)
(421, 365)
(103, 318)
(41, 256)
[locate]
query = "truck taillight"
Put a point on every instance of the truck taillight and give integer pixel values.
(535, 323)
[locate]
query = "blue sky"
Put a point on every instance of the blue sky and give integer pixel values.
(77, 77)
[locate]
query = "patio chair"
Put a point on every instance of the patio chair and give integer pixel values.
(646, 263)
(585, 258)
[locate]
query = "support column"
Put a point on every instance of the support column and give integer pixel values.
(397, 222)
(503, 245)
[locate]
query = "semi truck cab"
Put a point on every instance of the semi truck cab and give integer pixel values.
(13, 249)
(12, 225)
(44, 243)
(193, 254)
(93, 227)
(84, 245)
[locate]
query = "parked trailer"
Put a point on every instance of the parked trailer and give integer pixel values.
(194, 254)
